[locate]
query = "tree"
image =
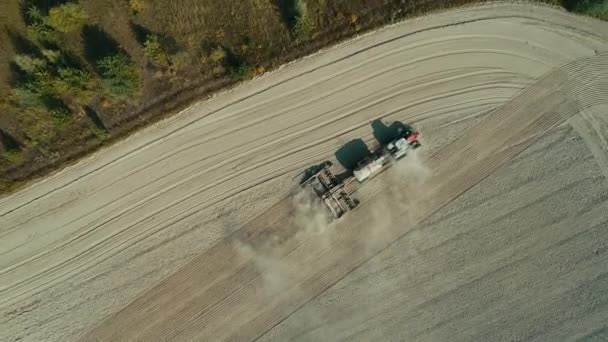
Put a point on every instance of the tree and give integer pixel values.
(29, 64)
(303, 27)
(40, 33)
(137, 5)
(53, 56)
(35, 15)
(155, 52)
(75, 82)
(38, 29)
(120, 75)
(38, 92)
(68, 17)
(27, 95)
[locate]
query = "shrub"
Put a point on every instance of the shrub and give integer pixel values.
(120, 75)
(101, 133)
(61, 117)
(68, 17)
(75, 82)
(154, 51)
(301, 23)
(40, 33)
(38, 92)
(53, 56)
(180, 60)
(303, 27)
(243, 71)
(35, 15)
(137, 5)
(26, 95)
(594, 8)
(37, 126)
(38, 29)
(29, 64)
(13, 155)
(218, 55)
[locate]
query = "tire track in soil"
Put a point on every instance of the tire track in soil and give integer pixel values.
(498, 138)
(592, 126)
(211, 203)
(226, 193)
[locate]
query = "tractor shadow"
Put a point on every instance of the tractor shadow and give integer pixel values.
(387, 133)
(351, 153)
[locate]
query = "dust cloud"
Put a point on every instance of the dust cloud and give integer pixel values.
(308, 221)
(308, 214)
(275, 271)
(290, 254)
(407, 179)
(400, 190)
(311, 224)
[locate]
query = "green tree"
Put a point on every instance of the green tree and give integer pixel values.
(38, 30)
(35, 15)
(27, 95)
(303, 27)
(37, 92)
(137, 5)
(154, 51)
(29, 64)
(39, 33)
(75, 82)
(68, 17)
(53, 56)
(120, 75)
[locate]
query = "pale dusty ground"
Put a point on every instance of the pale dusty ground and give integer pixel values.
(519, 255)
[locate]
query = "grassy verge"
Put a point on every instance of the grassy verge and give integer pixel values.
(82, 74)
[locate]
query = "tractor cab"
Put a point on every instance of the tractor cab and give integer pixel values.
(398, 147)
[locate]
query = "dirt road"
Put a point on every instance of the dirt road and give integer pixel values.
(80, 245)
